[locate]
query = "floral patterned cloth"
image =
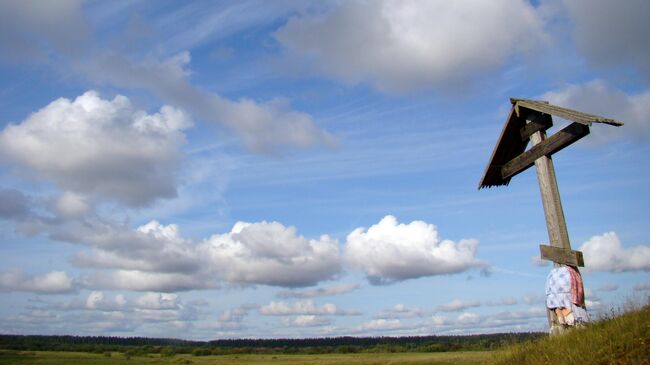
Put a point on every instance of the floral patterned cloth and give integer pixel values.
(564, 290)
(558, 288)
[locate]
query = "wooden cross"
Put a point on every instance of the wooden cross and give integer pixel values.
(528, 121)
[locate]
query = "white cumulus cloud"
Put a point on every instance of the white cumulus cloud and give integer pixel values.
(468, 318)
(152, 247)
(438, 320)
(103, 148)
(54, 282)
(303, 307)
(606, 253)
(263, 126)
(158, 301)
(155, 257)
(406, 45)
(306, 321)
(389, 251)
(147, 281)
(272, 254)
(98, 301)
(379, 325)
(624, 41)
(400, 311)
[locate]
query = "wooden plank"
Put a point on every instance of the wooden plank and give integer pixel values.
(565, 113)
(514, 101)
(561, 255)
(551, 145)
(508, 146)
(553, 213)
(541, 123)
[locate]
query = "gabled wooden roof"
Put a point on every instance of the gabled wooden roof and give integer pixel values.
(565, 113)
(511, 144)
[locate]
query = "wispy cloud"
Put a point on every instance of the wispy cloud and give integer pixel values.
(320, 292)
(305, 307)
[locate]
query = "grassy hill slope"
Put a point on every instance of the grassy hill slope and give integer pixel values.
(623, 339)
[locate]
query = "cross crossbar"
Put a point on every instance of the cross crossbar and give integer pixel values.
(570, 134)
(561, 255)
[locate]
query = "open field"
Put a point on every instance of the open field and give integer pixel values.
(74, 358)
(621, 339)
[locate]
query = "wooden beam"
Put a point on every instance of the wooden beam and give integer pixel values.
(565, 113)
(561, 255)
(553, 213)
(549, 146)
(541, 123)
(558, 234)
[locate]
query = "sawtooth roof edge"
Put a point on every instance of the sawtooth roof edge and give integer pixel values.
(510, 144)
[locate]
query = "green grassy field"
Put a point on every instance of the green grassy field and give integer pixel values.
(78, 358)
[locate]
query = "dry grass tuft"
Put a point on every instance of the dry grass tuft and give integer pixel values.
(614, 339)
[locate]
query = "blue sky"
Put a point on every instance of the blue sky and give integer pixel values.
(293, 169)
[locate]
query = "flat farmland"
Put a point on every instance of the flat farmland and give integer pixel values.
(74, 358)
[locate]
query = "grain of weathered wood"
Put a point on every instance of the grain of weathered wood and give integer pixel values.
(565, 113)
(561, 255)
(553, 144)
(553, 213)
(541, 123)
(555, 222)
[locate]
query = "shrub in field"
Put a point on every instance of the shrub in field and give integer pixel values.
(167, 351)
(435, 347)
(201, 351)
(218, 351)
(348, 349)
(128, 354)
(183, 362)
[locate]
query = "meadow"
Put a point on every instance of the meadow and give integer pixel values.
(618, 339)
(78, 358)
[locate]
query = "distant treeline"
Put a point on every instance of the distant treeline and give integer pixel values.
(142, 345)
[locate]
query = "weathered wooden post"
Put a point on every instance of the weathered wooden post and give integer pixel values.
(528, 121)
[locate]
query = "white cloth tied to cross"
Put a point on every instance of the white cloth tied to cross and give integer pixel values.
(558, 294)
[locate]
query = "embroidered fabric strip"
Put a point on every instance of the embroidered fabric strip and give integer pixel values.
(577, 288)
